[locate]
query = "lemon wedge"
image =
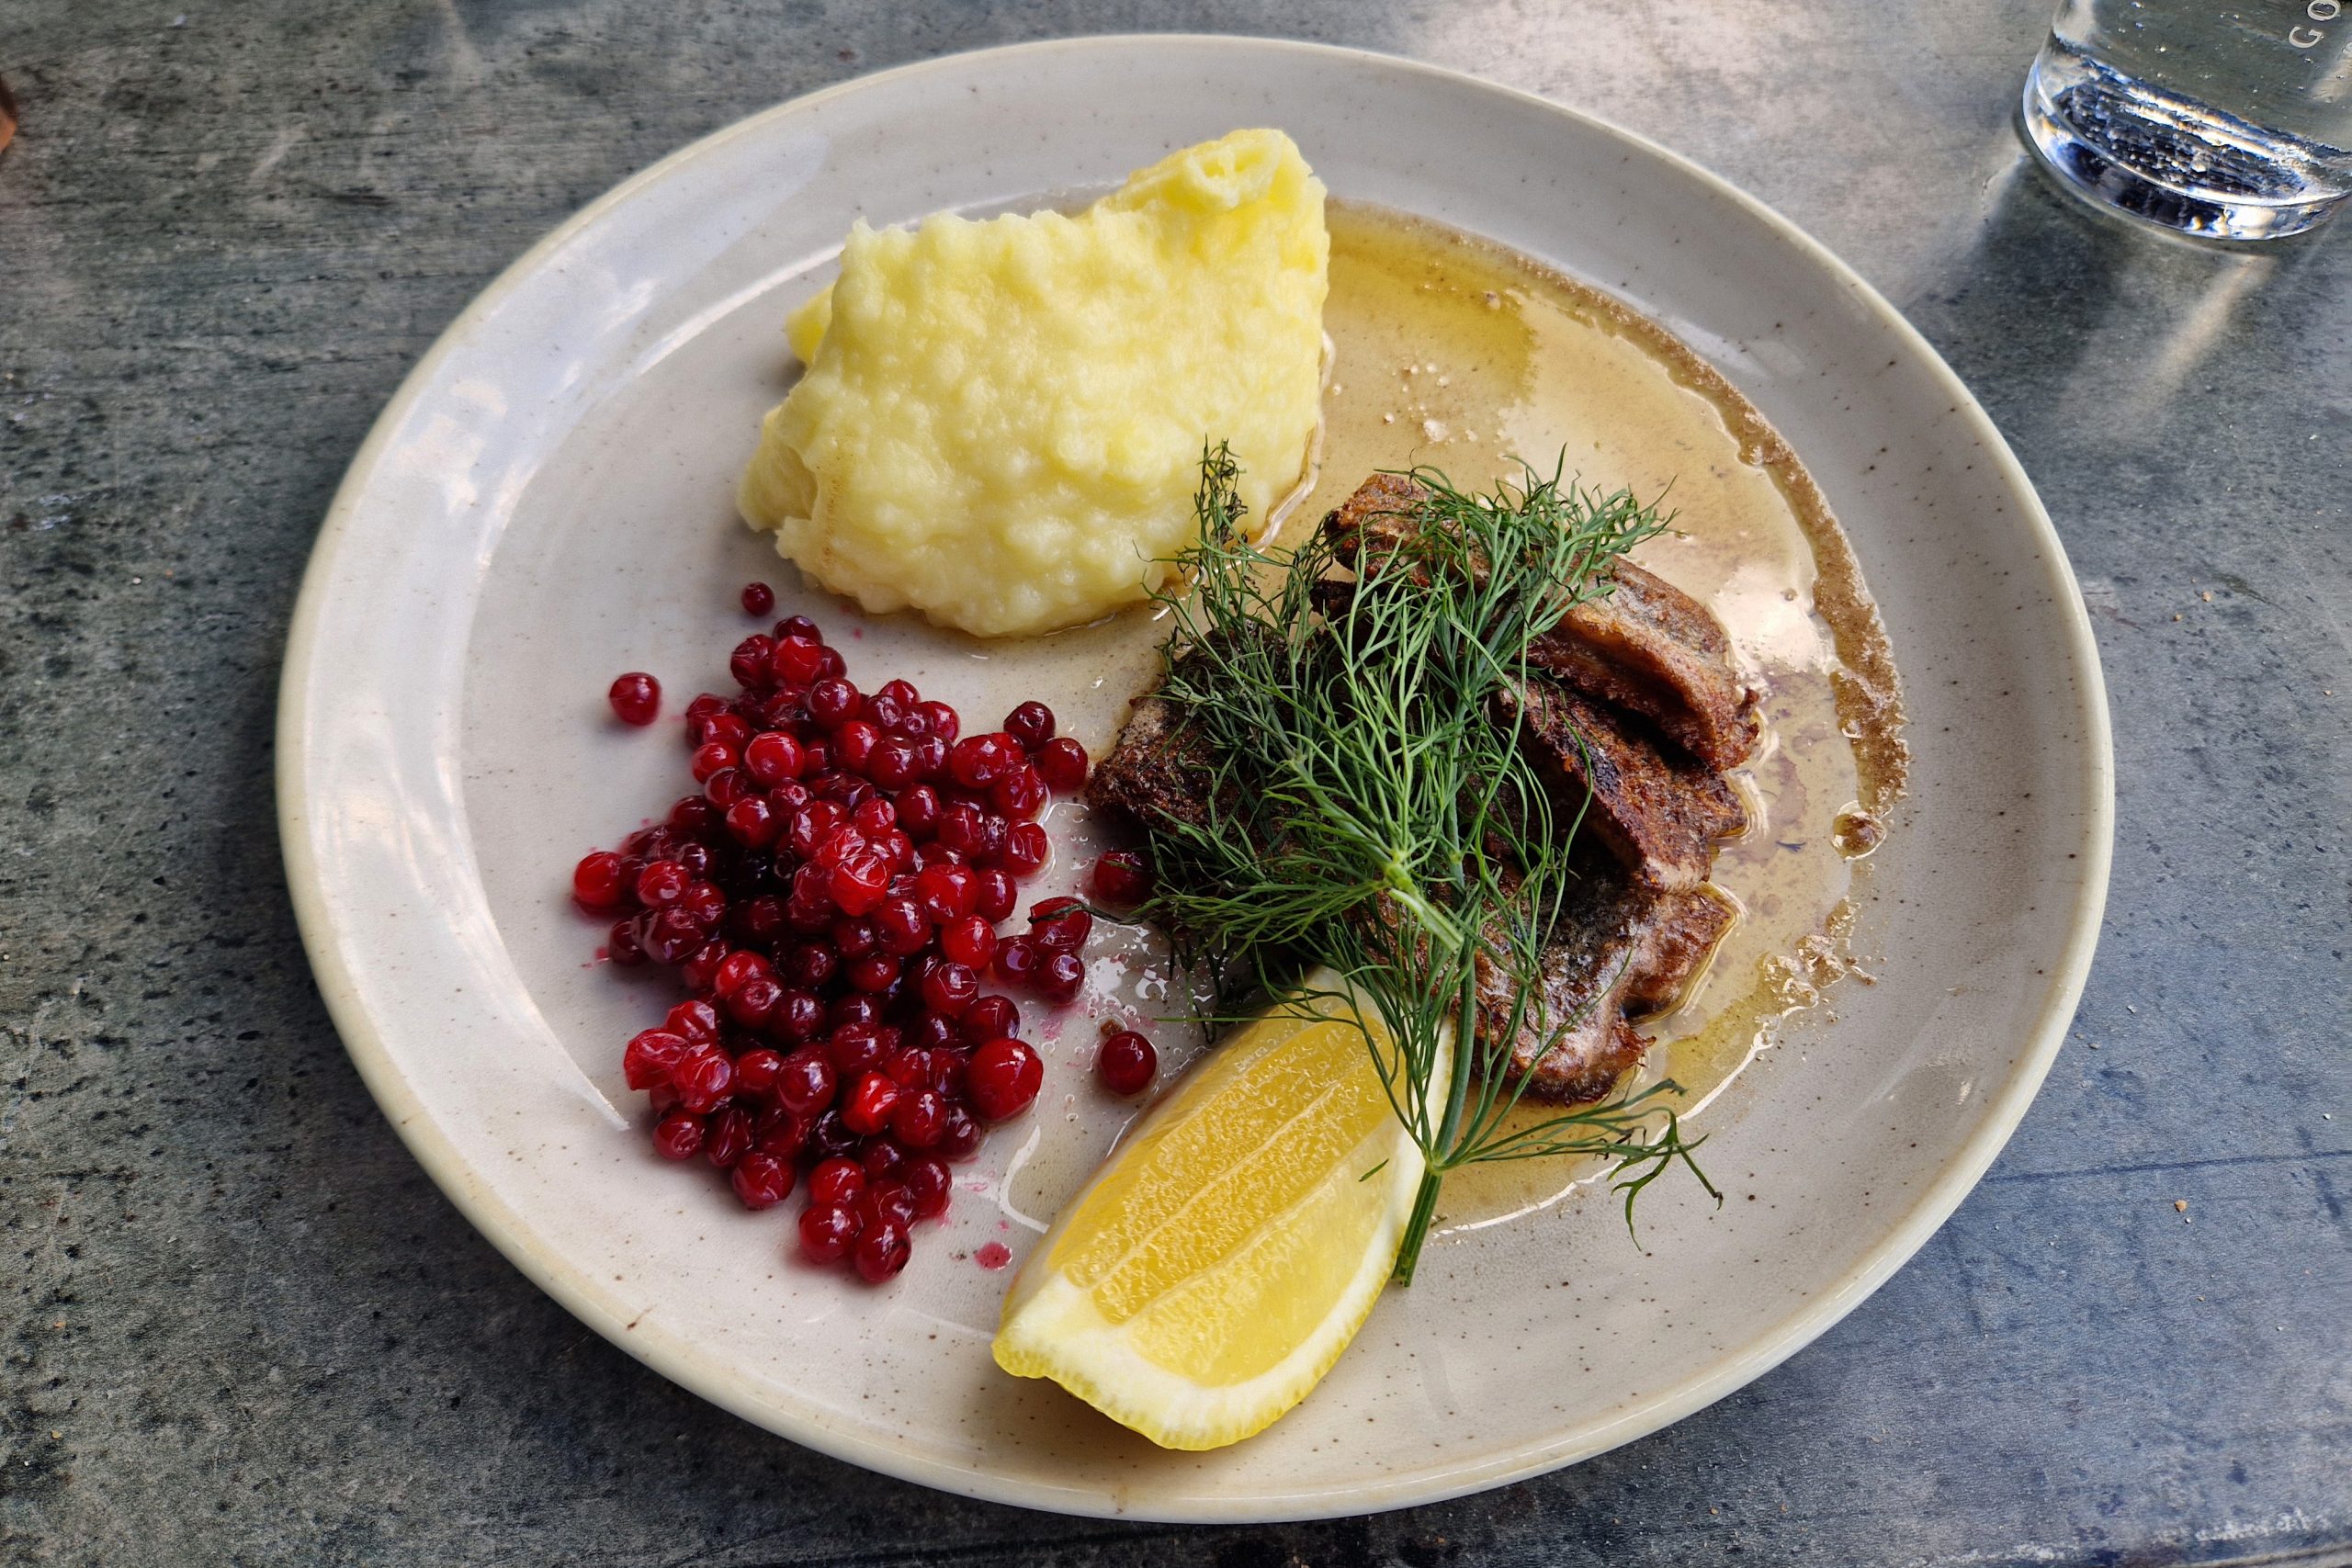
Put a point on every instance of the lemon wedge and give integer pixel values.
(1215, 1268)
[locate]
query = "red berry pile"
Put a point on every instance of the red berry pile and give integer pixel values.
(830, 899)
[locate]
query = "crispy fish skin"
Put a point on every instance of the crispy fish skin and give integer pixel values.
(1617, 948)
(1660, 819)
(1644, 647)
(1159, 775)
(1652, 649)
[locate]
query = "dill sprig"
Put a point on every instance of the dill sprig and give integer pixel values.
(1368, 808)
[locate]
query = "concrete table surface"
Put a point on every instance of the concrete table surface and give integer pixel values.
(240, 1324)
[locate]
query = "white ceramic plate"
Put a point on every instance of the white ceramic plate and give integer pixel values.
(546, 501)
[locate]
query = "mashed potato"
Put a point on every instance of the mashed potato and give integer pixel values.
(1002, 422)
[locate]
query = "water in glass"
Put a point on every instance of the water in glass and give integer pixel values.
(2228, 121)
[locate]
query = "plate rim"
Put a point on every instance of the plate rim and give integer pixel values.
(497, 1222)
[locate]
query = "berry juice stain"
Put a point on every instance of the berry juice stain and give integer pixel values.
(993, 1255)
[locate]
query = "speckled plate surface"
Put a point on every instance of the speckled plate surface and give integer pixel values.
(546, 501)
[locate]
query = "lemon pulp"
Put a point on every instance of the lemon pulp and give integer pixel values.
(1215, 1268)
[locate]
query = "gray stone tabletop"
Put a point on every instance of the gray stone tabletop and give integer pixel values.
(242, 1327)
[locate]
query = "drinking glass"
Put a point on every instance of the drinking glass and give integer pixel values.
(2226, 121)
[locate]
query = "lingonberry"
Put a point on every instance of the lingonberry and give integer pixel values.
(1122, 877)
(596, 881)
(932, 1033)
(812, 965)
(928, 1183)
(997, 893)
(853, 745)
(694, 1020)
(662, 882)
(711, 757)
(758, 599)
(636, 697)
(1018, 959)
(1003, 1078)
(761, 1180)
(1019, 794)
(703, 1078)
(947, 892)
(827, 1231)
(774, 756)
(1061, 977)
(727, 1136)
(624, 943)
(695, 816)
(1026, 848)
(703, 902)
(963, 827)
(853, 939)
(759, 921)
(859, 882)
(992, 1018)
(799, 1018)
(753, 1003)
(887, 1200)
(725, 728)
(948, 1075)
(886, 710)
(836, 1180)
(876, 972)
(802, 627)
(882, 1252)
(739, 969)
(1125, 1063)
(902, 927)
(856, 1049)
(678, 1135)
(970, 941)
(727, 787)
(756, 1070)
(832, 701)
(941, 722)
(1032, 724)
(959, 1139)
(804, 1082)
(749, 663)
(973, 761)
(855, 1009)
(919, 1119)
(1062, 764)
(698, 968)
(881, 1159)
(868, 1106)
(828, 1135)
(650, 1057)
(797, 659)
(778, 1132)
(672, 935)
(1060, 925)
(950, 988)
(918, 807)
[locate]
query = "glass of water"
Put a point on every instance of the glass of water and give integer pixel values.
(2227, 121)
